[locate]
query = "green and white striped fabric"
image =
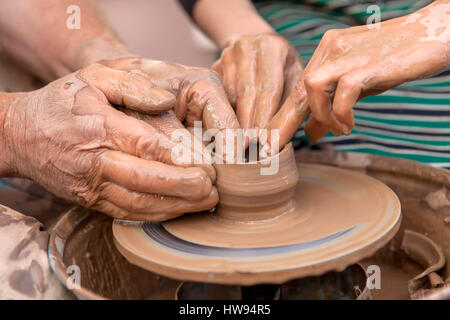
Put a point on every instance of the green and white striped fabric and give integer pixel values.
(411, 121)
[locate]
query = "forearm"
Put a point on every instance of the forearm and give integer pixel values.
(225, 21)
(36, 34)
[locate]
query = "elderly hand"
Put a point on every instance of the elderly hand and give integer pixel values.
(352, 63)
(69, 138)
(198, 92)
(258, 71)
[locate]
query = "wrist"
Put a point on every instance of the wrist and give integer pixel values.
(227, 21)
(96, 49)
(250, 25)
(6, 154)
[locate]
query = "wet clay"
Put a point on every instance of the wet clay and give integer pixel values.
(423, 250)
(269, 229)
(411, 181)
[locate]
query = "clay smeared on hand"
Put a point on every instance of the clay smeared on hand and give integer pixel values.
(69, 138)
(199, 94)
(258, 72)
(350, 64)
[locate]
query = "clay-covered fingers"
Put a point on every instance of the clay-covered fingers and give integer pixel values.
(293, 70)
(291, 115)
(207, 101)
(296, 101)
(315, 130)
(347, 94)
(137, 189)
(320, 86)
(137, 138)
(216, 114)
(269, 84)
(246, 65)
(129, 205)
(128, 88)
(226, 68)
(169, 125)
(154, 177)
(348, 90)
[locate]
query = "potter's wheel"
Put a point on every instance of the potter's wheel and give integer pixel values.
(336, 217)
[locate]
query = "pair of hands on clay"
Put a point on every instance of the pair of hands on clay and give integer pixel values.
(70, 138)
(258, 73)
(264, 81)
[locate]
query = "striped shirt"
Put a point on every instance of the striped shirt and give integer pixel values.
(411, 121)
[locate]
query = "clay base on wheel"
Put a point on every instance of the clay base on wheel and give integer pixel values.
(337, 218)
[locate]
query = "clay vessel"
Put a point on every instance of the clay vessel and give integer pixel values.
(248, 195)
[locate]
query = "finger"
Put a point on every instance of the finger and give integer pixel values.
(169, 124)
(207, 102)
(138, 138)
(125, 133)
(319, 87)
(127, 88)
(269, 84)
(246, 85)
(347, 94)
(293, 71)
(226, 68)
(155, 177)
(315, 130)
(125, 204)
(289, 118)
(109, 208)
(295, 108)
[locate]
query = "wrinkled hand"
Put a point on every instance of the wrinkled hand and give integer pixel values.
(197, 93)
(350, 64)
(258, 71)
(70, 139)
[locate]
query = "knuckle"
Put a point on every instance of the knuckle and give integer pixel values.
(141, 203)
(226, 53)
(85, 195)
(246, 91)
(217, 66)
(322, 118)
(241, 43)
(85, 190)
(331, 35)
(196, 176)
(340, 111)
(213, 77)
(89, 71)
(315, 81)
(349, 83)
(206, 80)
(274, 40)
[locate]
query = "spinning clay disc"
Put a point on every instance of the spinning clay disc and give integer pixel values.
(304, 220)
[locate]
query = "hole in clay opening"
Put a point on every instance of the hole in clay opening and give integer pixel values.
(251, 155)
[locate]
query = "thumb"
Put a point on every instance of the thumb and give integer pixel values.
(128, 89)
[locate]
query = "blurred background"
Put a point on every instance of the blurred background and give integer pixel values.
(159, 29)
(155, 29)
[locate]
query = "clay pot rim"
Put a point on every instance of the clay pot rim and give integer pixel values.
(257, 162)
